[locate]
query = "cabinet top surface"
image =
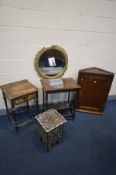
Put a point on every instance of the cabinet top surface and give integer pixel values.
(18, 89)
(95, 70)
(68, 84)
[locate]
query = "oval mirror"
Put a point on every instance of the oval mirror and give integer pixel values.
(51, 62)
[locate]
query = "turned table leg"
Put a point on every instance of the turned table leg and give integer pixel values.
(13, 117)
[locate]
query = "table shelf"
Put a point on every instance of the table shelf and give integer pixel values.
(60, 105)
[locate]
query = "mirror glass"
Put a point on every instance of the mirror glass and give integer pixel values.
(51, 62)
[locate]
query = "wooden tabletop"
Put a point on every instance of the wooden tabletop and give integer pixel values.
(68, 85)
(18, 89)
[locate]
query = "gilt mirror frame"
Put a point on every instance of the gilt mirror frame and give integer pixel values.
(48, 49)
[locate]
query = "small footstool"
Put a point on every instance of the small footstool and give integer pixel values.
(50, 126)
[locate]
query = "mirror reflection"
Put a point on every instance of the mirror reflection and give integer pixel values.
(51, 62)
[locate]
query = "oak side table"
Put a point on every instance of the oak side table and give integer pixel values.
(69, 86)
(17, 93)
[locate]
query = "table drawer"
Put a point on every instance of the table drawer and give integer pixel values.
(24, 98)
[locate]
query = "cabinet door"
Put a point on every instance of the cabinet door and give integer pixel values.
(86, 92)
(102, 88)
(94, 92)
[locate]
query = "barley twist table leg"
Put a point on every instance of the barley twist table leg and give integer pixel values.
(13, 117)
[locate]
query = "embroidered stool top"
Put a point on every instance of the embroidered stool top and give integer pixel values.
(50, 119)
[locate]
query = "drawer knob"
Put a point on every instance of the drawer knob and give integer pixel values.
(94, 81)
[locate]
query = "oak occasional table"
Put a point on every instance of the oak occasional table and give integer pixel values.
(17, 93)
(50, 125)
(69, 85)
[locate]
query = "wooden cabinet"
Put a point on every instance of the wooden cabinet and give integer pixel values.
(95, 86)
